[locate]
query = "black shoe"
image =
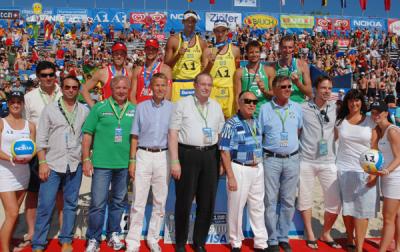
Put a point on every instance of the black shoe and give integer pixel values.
(260, 250)
(272, 248)
(197, 248)
(180, 248)
(235, 249)
(285, 246)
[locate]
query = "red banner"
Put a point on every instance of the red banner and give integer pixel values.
(324, 23)
(363, 4)
(394, 25)
(343, 43)
(145, 18)
(387, 5)
(341, 24)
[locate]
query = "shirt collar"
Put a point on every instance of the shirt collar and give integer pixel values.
(241, 118)
(55, 92)
(197, 100)
(275, 105)
(157, 105)
(113, 101)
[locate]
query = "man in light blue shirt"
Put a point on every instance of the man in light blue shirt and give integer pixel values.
(149, 163)
(281, 122)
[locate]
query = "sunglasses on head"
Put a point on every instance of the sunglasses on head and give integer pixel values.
(66, 87)
(250, 101)
(45, 75)
(286, 86)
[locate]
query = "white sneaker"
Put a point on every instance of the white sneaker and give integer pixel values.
(154, 247)
(92, 246)
(132, 250)
(115, 242)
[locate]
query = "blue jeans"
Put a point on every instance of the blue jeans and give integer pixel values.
(101, 180)
(71, 182)
(281, 176)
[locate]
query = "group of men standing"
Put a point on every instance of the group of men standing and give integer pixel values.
(258, 147)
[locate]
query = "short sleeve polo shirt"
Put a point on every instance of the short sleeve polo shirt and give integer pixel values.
(101, 123)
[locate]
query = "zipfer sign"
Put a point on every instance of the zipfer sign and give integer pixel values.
(9, 14)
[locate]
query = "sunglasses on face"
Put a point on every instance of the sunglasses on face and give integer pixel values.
(250, 101)
(286, 86)
(66, 87)
(45, 75)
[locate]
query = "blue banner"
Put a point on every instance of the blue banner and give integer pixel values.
(369, 23)
(174, 20)
(342, 81)
(116, 17)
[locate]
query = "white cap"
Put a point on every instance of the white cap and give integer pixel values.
(221, 23)
(190, 15)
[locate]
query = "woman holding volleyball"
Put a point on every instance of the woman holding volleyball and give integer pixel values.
(356, 133)
(389, 145)
(14, 173)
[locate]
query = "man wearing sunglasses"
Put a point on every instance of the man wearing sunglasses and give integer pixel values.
(105, 75)
(281, 122)
(59, 150)
(241, 153)
(318, 160)
(35, 101)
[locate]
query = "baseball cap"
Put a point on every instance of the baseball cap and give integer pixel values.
(17, 94)
(190, 14)
(221, 23)
(379, 105)
(119, 46)
(152, 43)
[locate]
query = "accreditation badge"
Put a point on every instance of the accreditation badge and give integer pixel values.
(118, 135)
(207, 135)
(323, 147)
(284, 139)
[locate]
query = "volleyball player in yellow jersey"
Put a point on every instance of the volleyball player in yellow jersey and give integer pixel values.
(183, 54)
(221, 61)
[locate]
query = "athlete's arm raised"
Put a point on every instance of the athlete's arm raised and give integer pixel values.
(305, 87)
(98, 76)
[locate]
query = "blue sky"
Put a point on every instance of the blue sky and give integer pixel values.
(374, 8)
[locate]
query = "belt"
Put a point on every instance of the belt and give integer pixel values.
(183, 80)
(277, 155)
(200, 148)
(152, 149)
(254, 165)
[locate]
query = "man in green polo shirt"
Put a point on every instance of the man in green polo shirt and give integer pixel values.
(108, 127)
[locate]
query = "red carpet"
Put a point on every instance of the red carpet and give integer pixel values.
(297, 245)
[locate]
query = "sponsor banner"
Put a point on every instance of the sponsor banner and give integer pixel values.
(233, 19)
(175, 21)
(146, 17)
(369, 23)
(260, 21)
(296, 22)
(245, 3)
(9, 14)
(117, 17)
(394, 25)
(71, 16)
(324, 23)
(341, 24)
(47, 14)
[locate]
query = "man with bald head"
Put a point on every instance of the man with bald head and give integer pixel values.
(241, 153)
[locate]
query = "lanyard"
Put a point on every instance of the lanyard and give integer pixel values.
(218, 45)
(147, 80)
(187, 39)
(121, 114)
(253, 131)
(44, 98)
(319, 116)
(69, 116)
(201, 111)
(283, 120)
(254, 77)
(290, 69)
(114, 71)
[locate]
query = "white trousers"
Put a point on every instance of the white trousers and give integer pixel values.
(250, 181)
(151, 170)
(328, 177)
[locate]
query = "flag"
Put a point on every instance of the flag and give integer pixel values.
(343, 3)
(212, 1)
(387, 5)
(324, 2)
(189, 1)
(302, 2)
(363, 4)
(283, 2)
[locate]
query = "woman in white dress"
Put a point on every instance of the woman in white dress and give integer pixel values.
(14, 173)
(358, 189)
(389, 145)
